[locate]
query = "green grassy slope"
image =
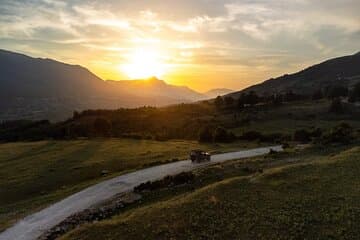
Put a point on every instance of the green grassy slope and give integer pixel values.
(289, 117)
(34, 174)
(316, 199)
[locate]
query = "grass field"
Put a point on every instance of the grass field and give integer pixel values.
(35, 174)
(310, 195)
(289, 117)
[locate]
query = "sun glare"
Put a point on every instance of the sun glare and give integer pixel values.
(144, 63)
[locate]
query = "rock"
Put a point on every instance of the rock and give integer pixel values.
(91, 215)
(130, 197)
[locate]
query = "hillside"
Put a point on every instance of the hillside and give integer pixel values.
(343, 71)
(217, 92)
(36, 88)
(305, 195)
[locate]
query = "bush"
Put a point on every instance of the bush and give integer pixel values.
(342, 133)
(317, 95)
(251, 136)
(354, 95)
(336, 106)
(302, 136)
(222, 135)
(272, 137)
(219, 102)
(168, 181)
(337, 91)
(205, 134)
(102, 127)
(229, 101)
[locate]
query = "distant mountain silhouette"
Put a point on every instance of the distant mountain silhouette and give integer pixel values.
(34, 88)
(217, 92)
(338, 71)
(155, 88)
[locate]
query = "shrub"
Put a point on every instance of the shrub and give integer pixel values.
(229, 101)
(205, 134)
(251, 136)
(318, 94)
(102, 127)
(354, 95)
(337, 91)
(272, 137)
(336, 106)
(302, 136)
(222, 135)
(342, 133)
(219, 102)
(168, 181)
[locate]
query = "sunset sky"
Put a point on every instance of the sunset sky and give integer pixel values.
(203, 44)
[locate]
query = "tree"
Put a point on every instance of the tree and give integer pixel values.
(342, 133)
(317, 95)
(102, 127)
(277, 99)
(253, 98)
(337, 91)
(240, 103)
(336, 106)
(229, 101)
(290, 96)
(219, 102)
(354, 95)
(205, 134)
(302, 136)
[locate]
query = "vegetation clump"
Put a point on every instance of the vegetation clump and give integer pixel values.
(168, 181)
(342, 133)
(208, 134)
(336, 106)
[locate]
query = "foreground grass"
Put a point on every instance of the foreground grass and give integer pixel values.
(35, 174)
(314, 199)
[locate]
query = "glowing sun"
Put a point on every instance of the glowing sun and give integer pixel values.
(144, 63)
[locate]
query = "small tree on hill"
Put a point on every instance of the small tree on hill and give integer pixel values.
(302, 136)
(240, 103)
(252, 98)
(337, 91)
(223, 135)
(317, 95)
(336, 106)
(102, 127)
(354, 95)
(219, 102)
(205, 134)
(342, 133)
(229, 101)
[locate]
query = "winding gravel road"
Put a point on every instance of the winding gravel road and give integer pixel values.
(32, 226)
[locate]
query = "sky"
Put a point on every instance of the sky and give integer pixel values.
(203, 44)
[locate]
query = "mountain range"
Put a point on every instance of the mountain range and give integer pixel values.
(344, 71)
(36, 88)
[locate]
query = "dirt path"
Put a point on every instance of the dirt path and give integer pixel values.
(33, 226)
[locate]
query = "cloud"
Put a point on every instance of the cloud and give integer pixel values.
(203, 32)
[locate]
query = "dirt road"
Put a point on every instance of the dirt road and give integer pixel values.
(33, 226)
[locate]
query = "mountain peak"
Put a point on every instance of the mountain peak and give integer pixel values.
(155, 81)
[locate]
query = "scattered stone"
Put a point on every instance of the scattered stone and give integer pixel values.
(92, 215)
(168, 181)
